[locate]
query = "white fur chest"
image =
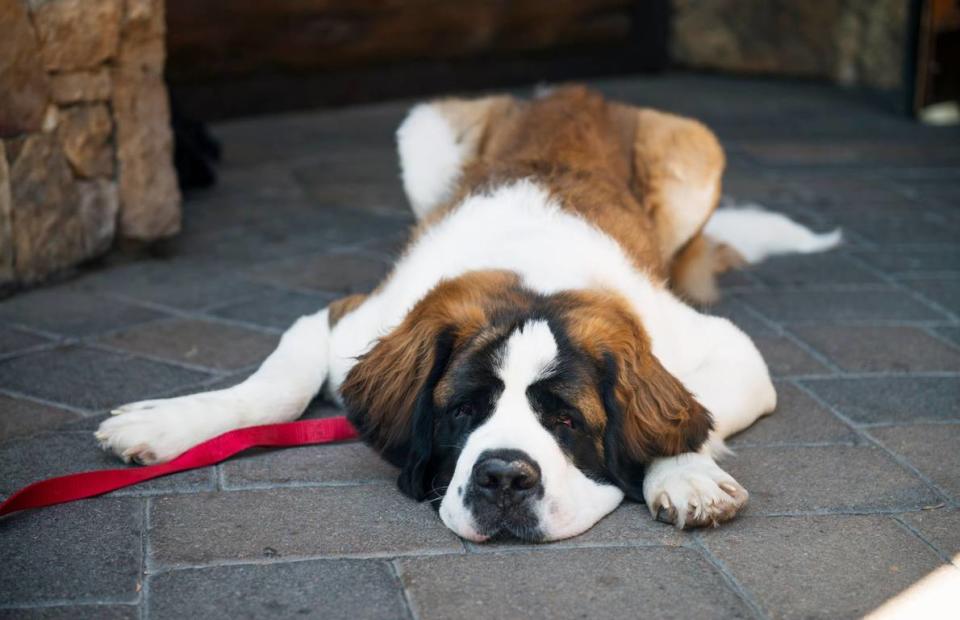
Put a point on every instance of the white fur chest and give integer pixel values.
(517, 228)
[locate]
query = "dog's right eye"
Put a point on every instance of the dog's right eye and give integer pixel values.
(465, 410)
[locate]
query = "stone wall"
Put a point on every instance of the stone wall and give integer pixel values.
(85, 141)
(852, 42)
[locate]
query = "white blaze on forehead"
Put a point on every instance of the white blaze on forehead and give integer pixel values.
(528, 355)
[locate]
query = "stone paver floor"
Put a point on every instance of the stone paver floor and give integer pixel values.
(855, 481)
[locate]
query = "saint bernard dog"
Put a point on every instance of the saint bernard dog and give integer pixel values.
(530, 361)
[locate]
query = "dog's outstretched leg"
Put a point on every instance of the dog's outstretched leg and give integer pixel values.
(155, 431)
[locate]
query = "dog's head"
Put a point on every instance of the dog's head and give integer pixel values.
(521, 414)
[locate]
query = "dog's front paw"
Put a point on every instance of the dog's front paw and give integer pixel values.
(691, 490)
(156, 431)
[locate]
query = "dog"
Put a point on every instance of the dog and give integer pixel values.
(535, 356)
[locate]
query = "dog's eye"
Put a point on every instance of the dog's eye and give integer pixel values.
(565, 420)
(465, 410)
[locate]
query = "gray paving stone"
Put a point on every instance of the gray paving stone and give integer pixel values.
(71, 313)
(785, 358)
(909, 261)
(950, 332)
(20, 417)
(942, 291)
(932, 449)
(333, 273)
(331, 589)
(872, 348)
(734, 309)
(326, 464)
(84, 551)
(192, 341)
(797, 419)
(812, 270)
(46, 455)
(74, 612)
(839, 153)
(863, 305)
(92, 379)
(665, 582)
(390, 246)
(13, 340)
(898, 224)
(821, 567)
(183, 284)
(788, 479)
(891, 399)
(294, 523)
(277, 309)
(940, 528)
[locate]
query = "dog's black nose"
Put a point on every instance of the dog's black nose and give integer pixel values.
(506, 476)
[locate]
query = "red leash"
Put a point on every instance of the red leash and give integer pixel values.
(91, 483)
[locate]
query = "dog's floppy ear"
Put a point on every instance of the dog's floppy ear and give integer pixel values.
(414, 477)
(389, 392)
(649, 412)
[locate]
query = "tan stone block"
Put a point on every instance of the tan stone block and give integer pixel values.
(77, 34)
(142, 41)
(98, 208)
(85, 132)
(24, 89)
(149, 196)
(6, 235)
(81, 86)
(47, 234)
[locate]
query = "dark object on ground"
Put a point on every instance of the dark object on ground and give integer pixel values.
(196, 152)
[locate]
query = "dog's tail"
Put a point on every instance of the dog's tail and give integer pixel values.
(756, 234)
(736, 236)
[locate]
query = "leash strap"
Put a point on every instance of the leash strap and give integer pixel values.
(92, 483)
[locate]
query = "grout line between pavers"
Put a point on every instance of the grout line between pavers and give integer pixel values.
(219, 372)
(65, 603)
(904, 463)
(142, 577)
(197, 315)
(881, 374)
(571, 545)
(922, 422)
(37, 348)
(903, 288)
(161, 568)
(812, 352)
(912, 530)
(299, 484)
(404, 595)
(85, 413)
(936, 335)
(741, 591)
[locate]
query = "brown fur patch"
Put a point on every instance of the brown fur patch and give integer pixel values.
(383, 385)
(646, 178)
(695, 270)
(343, 307)
(661, 418)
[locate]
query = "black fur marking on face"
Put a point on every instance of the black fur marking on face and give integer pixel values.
(553, 398)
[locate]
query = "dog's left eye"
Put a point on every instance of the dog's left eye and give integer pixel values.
(565, 420)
